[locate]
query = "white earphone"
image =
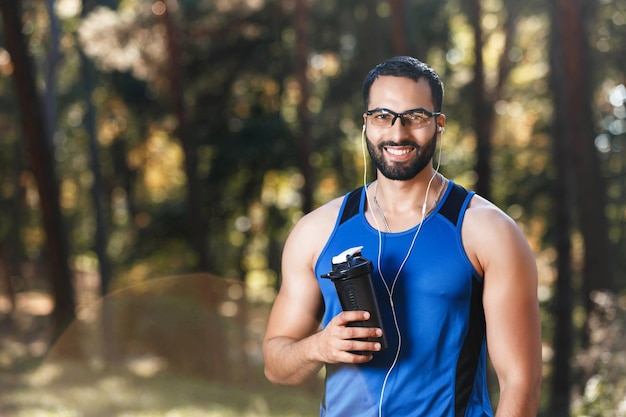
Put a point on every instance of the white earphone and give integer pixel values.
(390, 290)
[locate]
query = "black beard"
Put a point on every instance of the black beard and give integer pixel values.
(402, 172)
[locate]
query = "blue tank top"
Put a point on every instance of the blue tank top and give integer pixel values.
(441, 366)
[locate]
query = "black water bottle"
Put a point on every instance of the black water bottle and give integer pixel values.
(351, 274)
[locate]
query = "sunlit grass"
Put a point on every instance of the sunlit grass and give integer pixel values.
(72, 389)
(178, 346)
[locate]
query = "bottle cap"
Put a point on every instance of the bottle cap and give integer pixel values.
(349, 264)
(343, 256)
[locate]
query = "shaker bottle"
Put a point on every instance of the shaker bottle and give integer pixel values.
(351, 274)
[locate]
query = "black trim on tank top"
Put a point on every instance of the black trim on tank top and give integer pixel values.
(351, 208)
(450, 210)
(469, 356)
(452, 206)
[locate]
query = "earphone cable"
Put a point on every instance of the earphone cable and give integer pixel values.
(390, 291)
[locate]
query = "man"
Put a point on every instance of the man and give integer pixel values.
(453, 275)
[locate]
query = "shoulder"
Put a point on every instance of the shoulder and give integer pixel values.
(481, 211)
(483, 215)
(490, 235)
(310, 233)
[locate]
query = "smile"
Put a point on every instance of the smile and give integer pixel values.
(399, 150)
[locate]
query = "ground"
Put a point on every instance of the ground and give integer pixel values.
(178, 347)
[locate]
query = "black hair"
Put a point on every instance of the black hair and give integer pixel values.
(408, 67)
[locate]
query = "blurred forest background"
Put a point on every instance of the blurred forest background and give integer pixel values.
(154, 154)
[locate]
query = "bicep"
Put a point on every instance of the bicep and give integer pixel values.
(510, 302)
(296, 311)
(297, 308)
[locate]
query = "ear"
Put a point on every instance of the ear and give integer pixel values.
(441, 123)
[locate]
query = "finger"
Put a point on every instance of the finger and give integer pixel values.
(361, 346)
(351, 316)
(359, 352)
(360, 332)
(340, 350)
(359, 358)
(352, 355)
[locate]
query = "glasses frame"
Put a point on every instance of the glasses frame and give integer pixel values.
(402, 115)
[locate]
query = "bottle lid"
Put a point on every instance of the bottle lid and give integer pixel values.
(349, 264)
(343, 256)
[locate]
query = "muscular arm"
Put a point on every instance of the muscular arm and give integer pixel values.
(499, 249)
(294, 349)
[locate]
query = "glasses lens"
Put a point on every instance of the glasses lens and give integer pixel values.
(417, 118)
(381, 118)
(414, 119)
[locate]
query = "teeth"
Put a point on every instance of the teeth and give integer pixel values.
(398, 151)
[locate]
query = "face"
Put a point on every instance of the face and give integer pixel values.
(400, 152)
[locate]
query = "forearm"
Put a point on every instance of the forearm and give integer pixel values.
(519, 400)
(289, 361)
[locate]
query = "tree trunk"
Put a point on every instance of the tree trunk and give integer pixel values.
(562, 302)
(197, 225)
(483, 109)
(52, 60)
(97, 189)
(40, 153)
(571, 24)
(302, 53)
(107, 335)
(572, 55)
(399, 34)
(12, 250)
(485, 98)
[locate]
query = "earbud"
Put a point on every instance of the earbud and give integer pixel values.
(441, 129)
(363, 127)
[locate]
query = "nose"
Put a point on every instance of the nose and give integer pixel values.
(398, 116)
(399, 131)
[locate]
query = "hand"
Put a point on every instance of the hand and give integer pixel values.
(336, 343)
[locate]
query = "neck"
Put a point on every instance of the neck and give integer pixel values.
(403, 196)
(400, 205)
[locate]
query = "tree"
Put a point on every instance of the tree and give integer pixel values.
(484, 98)
(196, 223)
(302, 63)
(97, 188)
(562, 302)
(571, 21)
(578, 174)
(398, 27)
(38, 147)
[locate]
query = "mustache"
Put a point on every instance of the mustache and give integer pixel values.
(405, 142)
